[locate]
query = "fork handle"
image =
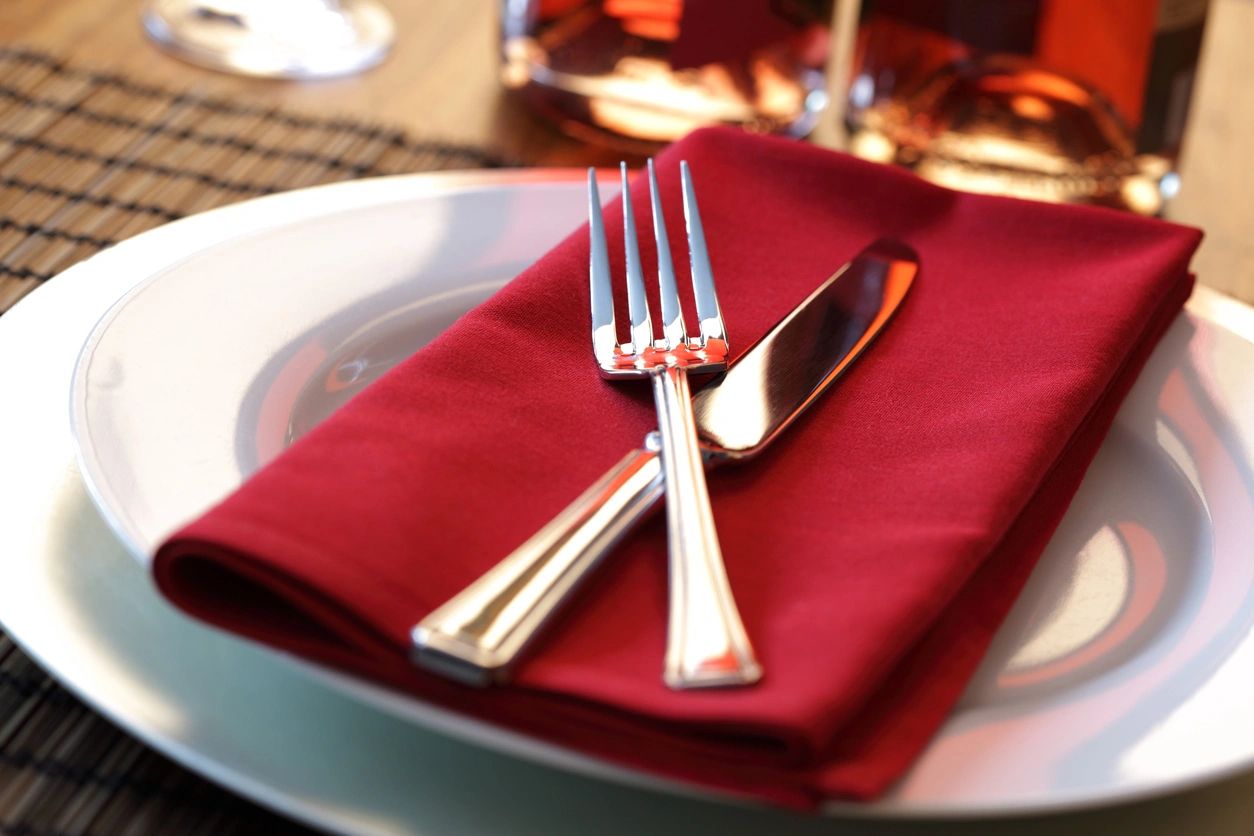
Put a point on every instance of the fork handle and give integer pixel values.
(478, 635)
(706, 643)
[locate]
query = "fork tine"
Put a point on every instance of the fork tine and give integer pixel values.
(672, 316)
(637, 302)
(604, 335)
(708, 311)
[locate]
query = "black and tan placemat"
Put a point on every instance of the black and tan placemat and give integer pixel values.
(88, 159)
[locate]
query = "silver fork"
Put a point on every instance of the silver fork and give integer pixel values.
(706, 641)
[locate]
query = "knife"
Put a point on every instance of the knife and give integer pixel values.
(479, 634)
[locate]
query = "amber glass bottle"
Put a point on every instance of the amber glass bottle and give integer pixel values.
(1061, 100)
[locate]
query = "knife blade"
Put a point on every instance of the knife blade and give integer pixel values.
(478, 635)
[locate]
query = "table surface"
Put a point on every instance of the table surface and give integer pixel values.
(440, 81)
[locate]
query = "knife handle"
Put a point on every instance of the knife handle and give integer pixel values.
(476, 636)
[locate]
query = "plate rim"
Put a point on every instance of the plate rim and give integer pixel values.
(426, 184)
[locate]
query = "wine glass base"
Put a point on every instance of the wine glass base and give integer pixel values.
(298, 39)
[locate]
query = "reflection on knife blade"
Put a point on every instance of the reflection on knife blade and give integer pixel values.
(743, 410)
(477, 635)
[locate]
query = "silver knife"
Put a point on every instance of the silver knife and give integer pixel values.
(477, 635)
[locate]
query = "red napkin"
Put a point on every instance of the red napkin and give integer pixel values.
(873, 549)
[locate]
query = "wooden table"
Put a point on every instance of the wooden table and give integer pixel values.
(440, 81)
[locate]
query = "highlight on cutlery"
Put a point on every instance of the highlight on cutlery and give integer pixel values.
(478, 635)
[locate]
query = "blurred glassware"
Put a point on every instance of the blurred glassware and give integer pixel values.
(637, 73)
(1060, 100)
(273, 38)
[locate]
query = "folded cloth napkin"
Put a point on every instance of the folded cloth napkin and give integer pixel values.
(873, 550)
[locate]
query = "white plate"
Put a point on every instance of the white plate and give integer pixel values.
(1125, 670)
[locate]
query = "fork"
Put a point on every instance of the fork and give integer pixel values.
(706, 641)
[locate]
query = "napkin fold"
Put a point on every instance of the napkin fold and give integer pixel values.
(873, 549)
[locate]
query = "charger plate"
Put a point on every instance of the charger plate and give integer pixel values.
(1123, 672)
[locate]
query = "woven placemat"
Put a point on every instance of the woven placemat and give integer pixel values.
(88, 159)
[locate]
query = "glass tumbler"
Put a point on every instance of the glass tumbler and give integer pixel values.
(1061, 100)
(638, 73)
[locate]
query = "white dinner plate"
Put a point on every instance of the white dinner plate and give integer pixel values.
(1125, 670)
